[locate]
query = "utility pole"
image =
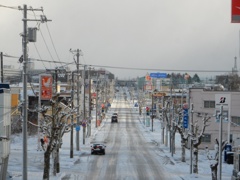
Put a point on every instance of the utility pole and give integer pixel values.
(96, 107)
(152, 112)
(97, 90)
(1, 67)
(25, 100)
(84, 106)
(89, 98)
(162, 124)
(78, 105)
(170, 116)
(191, 142)
(72, 104)
(78, 99)
(220, 144)
(25, 79)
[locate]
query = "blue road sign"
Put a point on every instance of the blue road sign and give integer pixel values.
(185, 118)
(77, 128)
(158, 75)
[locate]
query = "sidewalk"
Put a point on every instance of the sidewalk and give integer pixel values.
(173, 163)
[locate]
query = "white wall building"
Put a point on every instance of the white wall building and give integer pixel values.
(208, 102)
(5, 128)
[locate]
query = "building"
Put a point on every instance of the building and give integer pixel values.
(205, 101)
(5, 128)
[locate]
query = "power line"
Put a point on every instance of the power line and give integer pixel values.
(53, 43)
(47, 46)
(10, 7)
(149, 69)
(39, 55)
(130, 68)
(52, 40)
(35, 59)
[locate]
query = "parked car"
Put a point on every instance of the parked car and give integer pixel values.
(98, 148)
(114, 118)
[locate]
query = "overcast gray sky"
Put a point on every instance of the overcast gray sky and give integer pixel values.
(147, 34)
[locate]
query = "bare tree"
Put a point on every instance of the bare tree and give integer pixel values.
(214, 159)
(233, 82)
(166, 112)
(197, 139)
(54, 126)
(171, 124)
(184, 135)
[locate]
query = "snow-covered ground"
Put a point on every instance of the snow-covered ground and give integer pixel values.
(172, 164)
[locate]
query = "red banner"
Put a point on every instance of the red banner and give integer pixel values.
(235, 11)
(46, 87)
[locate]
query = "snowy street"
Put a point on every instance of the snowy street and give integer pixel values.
(133, 152)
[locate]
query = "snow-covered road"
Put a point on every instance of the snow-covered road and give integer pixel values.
(133, 152)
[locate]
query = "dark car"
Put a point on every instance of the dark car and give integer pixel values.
(115, 114)
(98, 148)
(114, 118)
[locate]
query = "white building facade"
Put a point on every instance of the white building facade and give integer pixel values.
(210, 102)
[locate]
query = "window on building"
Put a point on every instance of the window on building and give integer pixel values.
(206, 138)
(209, 104)
(236, 120)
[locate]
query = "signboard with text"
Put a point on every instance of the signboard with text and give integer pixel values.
(185, 118)
(45, 90)
(148, 78)
(158, 75)
(222, 99)
(235, 15)
(225, 101)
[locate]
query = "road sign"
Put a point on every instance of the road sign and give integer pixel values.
(158, 75)
(159, 94)
(185, 118)
(84, 123)
(77, 128)
(147, 78)
(235, 11)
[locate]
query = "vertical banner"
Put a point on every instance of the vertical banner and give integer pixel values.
(185, 115)
(46, 81)
(235, 16)
(185, 118)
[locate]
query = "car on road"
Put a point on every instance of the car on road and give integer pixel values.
(98, 148)
(114, 118)
(115, 114)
